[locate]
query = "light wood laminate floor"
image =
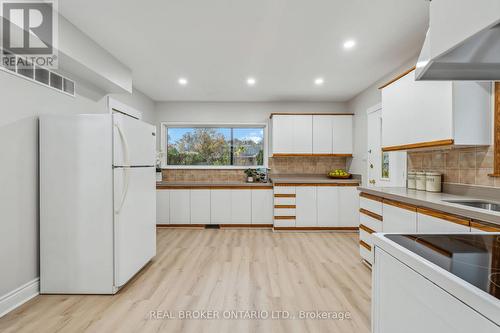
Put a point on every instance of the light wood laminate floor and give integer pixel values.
(221, 270)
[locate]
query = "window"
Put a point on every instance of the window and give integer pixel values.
(385, 165)
(214, 146)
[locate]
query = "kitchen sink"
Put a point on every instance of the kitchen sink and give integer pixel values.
(477, 204)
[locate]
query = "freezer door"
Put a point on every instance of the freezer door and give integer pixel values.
(134, 142)
(135, 220)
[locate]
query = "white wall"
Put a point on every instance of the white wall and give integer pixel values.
(237, 111)
(227, 112)
(22, 101)
(140, 102)
(358, 105)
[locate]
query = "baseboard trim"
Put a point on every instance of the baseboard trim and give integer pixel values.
(180, 226)
(228, 226)
(19, 296)
(352, 229)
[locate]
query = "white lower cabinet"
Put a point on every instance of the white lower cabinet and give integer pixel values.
(306, 207)
(162, 206)
(328, 206)
(241, 207)
(262, 206)
(317, 206)
(348, 206)
(399, 219)
(432, 224)
(406, 301)
(200, 206)
(220, 206)
(180, 207)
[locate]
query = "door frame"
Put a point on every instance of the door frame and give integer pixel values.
(377, 107)
(397, 177)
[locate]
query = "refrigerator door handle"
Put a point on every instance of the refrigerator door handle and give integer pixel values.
(125, 145)
(125, 170)
(126, 177)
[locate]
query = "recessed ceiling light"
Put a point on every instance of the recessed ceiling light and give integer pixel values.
(251, 81)
(349, 44)
(182, 81)
(319, 81)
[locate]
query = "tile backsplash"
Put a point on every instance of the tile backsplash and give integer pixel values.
(284, 165)
(470, 166)
(306, 164)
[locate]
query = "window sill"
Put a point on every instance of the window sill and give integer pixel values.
(210, 167)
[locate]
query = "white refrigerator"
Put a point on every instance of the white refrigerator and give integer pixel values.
(97, 201)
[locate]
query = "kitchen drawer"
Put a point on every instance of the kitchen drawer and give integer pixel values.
(284, 201)
(284, 223)
(284, 212)
(370, 222)
(370, 204)
(365, 235)
(366, 254)
(284, 189)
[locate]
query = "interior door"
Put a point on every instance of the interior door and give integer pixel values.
(135, 220)
(374, 147)
(385, 169)
(134, 142)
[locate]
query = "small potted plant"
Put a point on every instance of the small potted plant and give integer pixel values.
(251, 174)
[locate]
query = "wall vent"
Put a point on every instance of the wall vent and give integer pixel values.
(41, 76)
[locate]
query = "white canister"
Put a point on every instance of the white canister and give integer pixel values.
(412, 180)
(420, 181)
(433, 182)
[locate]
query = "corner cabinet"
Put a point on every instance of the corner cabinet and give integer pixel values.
(312, 134)
(418, 114)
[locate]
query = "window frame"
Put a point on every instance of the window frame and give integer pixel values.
(163, 144)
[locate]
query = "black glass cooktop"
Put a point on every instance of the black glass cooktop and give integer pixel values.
(473, 258)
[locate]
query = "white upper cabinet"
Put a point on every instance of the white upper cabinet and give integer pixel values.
(282, 134)
(342, 134)
(312, 134)
(423, 113)
(322, 135)
(292, 134)
(302, 134)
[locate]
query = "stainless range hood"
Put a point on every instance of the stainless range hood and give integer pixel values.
(462, 43)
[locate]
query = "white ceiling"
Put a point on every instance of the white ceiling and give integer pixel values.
(284, 44)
